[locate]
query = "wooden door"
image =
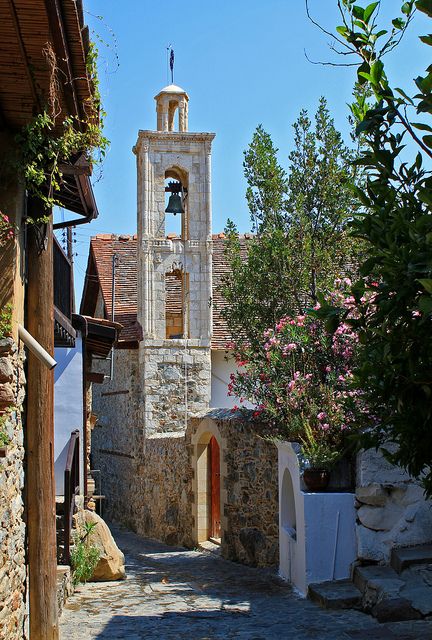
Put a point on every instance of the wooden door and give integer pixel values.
(215, 526)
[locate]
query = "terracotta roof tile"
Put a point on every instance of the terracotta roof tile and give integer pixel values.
(103, 247)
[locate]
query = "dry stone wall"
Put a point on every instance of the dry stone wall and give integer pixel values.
(391, 509)
(12, 527)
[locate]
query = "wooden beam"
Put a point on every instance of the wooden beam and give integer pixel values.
(31, 80)
(41, 516)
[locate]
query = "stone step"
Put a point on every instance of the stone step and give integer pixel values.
(372, 573)
(395, 609)
(407, 556)
(335, 594)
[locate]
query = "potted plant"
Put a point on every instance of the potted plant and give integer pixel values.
(319, 458)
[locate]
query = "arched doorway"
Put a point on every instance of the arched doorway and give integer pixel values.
(209, 494)
(215, 505)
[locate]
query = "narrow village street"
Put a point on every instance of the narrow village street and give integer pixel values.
(175, 593)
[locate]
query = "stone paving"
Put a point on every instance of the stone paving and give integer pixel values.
(173, 593)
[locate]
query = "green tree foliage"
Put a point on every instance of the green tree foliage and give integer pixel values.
(299, 222)
(396, 226)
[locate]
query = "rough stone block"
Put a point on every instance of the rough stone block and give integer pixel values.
(362, 575)
(6, 370)
(373, 468)
(111, 561)
(7, 395)
(7, 345)
(380, 518)
(420, 598)
(373, 494)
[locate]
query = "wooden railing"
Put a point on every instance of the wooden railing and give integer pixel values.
(71, 489)
(63, 283)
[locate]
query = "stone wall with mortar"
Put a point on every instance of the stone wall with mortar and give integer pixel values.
(115, 416)
(391, 509)
(249, 479)
(12, 526)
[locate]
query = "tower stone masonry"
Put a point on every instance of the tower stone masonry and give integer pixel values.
(174, 270)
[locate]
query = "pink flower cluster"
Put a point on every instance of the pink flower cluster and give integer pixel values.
(303, 375)
(7, 230)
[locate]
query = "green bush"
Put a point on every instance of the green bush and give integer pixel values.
(84, 556)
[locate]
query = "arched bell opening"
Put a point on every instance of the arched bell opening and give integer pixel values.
(176, 203)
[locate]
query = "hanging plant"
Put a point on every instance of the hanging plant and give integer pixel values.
(45, 145)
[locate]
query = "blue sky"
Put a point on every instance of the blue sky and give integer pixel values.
(242, 63)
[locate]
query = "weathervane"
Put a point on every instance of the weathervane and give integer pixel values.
(170, 60)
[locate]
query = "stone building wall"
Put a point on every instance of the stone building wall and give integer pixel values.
(164, 492)
(150, 483)
(115, 420)
(391, 509)
(12, 526)
(148, 491)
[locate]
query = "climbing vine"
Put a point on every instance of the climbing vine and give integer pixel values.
(45, 144)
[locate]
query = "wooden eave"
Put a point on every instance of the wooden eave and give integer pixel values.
(26, 28)
(100, 334)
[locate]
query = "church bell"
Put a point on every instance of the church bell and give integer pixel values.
(175, 204)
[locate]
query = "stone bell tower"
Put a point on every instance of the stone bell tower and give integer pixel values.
(175, 269)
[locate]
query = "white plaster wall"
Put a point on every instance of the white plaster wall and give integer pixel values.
(316, 530)
(68, 406)
(221, 369)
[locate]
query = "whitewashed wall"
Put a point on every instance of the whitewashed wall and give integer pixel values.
(68, 406)
(221, 370)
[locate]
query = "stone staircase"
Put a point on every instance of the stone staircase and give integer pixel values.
(395, 593)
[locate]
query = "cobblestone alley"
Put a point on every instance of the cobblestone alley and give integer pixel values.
(175, 593)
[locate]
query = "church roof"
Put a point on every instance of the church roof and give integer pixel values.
(99, 276)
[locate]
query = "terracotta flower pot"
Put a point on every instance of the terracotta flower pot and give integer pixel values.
(316, 479)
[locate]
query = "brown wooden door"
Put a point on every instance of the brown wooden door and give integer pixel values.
(215, 527)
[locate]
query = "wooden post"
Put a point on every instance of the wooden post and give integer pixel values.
(41, 517)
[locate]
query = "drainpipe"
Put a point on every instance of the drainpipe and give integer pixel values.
(114, 265)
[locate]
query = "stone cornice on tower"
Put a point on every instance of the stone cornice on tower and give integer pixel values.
(170, 136)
